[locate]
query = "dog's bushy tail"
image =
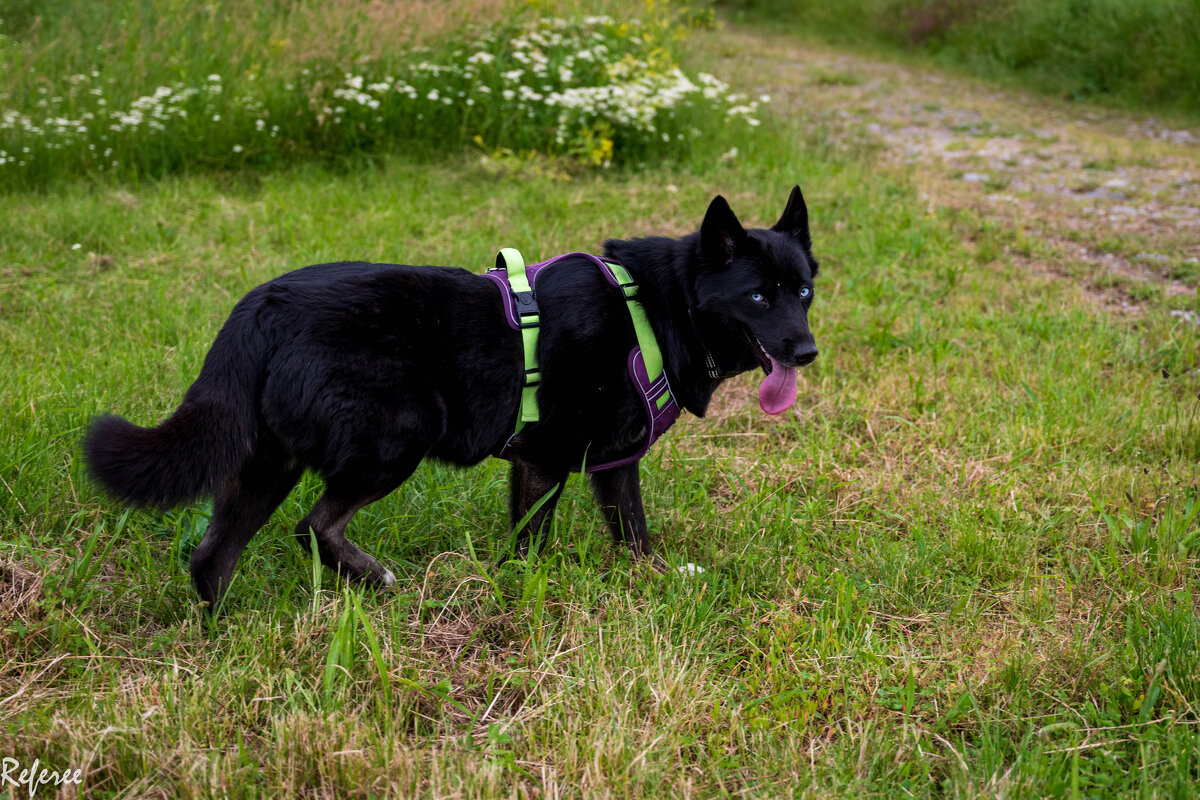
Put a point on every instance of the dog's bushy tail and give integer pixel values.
(188, 456)
(196, 449)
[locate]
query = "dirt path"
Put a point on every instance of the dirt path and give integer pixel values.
(1102, 197)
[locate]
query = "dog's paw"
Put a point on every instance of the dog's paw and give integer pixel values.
(379, 578)
(689, 569)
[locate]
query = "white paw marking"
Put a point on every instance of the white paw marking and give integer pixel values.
(689, 569)
(388, 577)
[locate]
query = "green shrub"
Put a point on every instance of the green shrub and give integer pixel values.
(1140, 51)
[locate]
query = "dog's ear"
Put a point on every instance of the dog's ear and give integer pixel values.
(794, 221)
(721, 235)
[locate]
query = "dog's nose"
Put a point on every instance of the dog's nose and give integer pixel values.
(806, 354)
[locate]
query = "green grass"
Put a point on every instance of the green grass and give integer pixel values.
(1134, 53)
(965, 566)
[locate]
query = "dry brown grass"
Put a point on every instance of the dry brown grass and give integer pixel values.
(321, 30)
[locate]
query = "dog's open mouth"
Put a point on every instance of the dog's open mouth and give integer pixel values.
(777, 392)
(768, 363)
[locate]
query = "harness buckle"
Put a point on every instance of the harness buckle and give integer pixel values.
(527, 310)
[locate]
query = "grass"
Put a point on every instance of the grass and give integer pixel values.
(965, 566)
(1133, 53)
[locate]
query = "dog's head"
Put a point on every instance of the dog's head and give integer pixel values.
(758, 284)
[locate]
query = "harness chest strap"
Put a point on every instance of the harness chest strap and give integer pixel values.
(528, 322)
(645, 361)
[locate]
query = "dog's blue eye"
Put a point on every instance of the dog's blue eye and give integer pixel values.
(756, 297)
(805, 292)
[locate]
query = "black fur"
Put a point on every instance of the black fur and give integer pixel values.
(359, 371)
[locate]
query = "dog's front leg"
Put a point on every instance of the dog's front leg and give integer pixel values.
(620, 497)
(527, 484)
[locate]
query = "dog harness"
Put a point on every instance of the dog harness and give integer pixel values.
(645, 362)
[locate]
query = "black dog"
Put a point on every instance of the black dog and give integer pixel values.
(359, 371)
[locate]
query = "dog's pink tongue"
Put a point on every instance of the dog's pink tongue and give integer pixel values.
(778, 390)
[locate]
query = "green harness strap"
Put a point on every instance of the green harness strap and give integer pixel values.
(651, 355)
(529, 321)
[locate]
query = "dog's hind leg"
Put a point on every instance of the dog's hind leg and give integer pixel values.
(240, 508)
(620, 497)
(378, 446)
(327, 521)
(527, 484)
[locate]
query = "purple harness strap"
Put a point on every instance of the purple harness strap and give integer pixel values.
(658, 402)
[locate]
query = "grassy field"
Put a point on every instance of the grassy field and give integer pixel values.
(1131, 53)
(965, 565)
